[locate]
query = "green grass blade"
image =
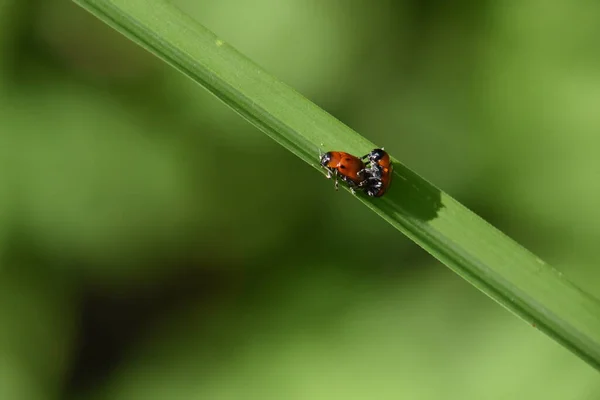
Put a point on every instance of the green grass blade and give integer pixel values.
(456, 236)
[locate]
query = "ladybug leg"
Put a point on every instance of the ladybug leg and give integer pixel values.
(332, 174)
(375, 173)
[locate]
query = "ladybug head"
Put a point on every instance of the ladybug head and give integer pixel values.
(325, 159)
(376, 154)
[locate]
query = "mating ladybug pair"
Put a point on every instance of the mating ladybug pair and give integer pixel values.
(373, 176)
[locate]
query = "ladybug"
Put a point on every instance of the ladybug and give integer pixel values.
(347, 167)
(378, 173)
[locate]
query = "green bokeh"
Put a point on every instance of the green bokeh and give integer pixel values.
(123, 181)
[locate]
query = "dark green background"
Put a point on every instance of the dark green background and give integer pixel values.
(154, 245)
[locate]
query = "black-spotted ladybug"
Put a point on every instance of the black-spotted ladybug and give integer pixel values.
(347, 167)
(378, 173)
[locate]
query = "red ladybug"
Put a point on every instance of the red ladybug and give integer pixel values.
(347, 167)
(378, 173)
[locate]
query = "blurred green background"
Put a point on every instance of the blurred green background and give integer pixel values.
(154, 245)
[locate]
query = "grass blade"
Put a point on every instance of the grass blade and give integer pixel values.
(453, 234)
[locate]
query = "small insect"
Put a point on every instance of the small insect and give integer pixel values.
(347, 167)
(378, 173)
